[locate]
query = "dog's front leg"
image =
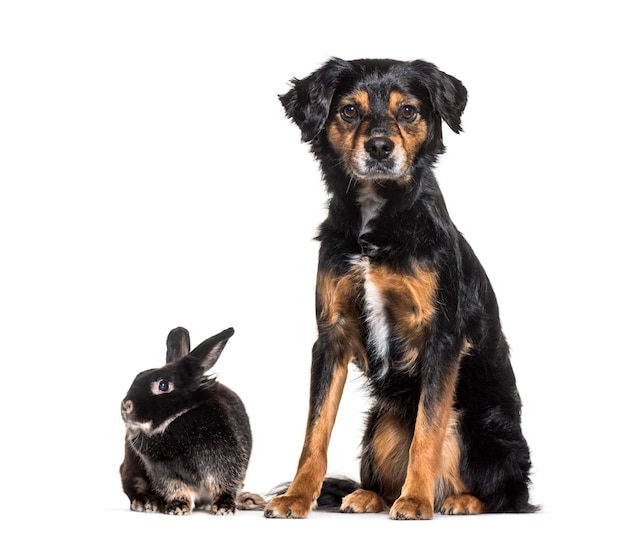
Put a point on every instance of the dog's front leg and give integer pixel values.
(416, 501)
(328, 377)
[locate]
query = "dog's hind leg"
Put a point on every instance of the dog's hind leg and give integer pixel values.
(462, 504)
(496, 462)
(363, 501)
(384, 460)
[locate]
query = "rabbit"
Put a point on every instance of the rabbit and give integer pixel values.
(188, 437)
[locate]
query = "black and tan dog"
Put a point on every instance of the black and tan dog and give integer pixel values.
(401, 294)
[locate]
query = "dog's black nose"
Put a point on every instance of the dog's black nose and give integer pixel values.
(379, 147)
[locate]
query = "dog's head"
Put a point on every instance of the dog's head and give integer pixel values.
(379, 116)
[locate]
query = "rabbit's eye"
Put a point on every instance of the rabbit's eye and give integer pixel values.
(162, 386)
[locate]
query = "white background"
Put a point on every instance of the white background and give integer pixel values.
(149, 179)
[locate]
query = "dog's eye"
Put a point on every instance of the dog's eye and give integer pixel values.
(408, 112)
(349, 112)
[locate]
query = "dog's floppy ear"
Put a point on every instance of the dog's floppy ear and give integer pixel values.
(447, 94)
(307, 103)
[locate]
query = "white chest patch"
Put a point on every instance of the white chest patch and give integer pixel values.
(148, 427)
(377, 323)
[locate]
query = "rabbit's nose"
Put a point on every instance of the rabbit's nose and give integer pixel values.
(127, 406)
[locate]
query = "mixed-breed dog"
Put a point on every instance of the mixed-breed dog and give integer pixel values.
(399, 293)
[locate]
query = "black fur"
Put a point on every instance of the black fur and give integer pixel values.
(411, 229)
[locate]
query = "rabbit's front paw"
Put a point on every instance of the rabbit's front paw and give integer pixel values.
(145, 505)
(224, 506)
(178, 507)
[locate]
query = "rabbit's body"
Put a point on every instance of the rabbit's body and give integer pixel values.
(188, 437)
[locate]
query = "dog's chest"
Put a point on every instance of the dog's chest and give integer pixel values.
(374, 315)
(375, 311)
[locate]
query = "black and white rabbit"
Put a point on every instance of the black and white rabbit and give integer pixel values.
(188, 437)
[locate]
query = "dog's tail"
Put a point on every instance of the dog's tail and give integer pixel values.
(334, 489)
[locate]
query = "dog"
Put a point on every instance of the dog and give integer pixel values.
(401, 294)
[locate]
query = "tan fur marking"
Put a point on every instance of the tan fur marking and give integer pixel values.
(464, 504)
(410, 136)
(313, 460)
(425, 456)
(449, 481)
(341, 137)
(410, 300)
(414, 133)
(391, 444)
(361, 100)
(336, 297)
(362, 501)
(341, 134)
(339, 314)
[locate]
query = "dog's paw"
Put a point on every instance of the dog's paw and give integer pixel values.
(464, 504)
(288, 506)
(362, 501)
(411, 508)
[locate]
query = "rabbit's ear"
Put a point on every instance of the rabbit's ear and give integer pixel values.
(210, 350)
(177, 344)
